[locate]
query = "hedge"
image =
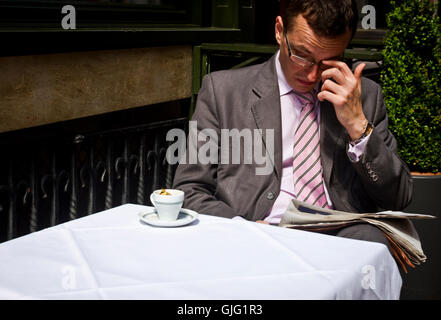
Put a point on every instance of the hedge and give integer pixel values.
(411, 79)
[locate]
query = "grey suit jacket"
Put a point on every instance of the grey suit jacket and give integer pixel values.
(249, 98)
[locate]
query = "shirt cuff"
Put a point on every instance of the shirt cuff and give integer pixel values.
(355, 151)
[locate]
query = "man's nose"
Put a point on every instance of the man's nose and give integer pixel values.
(313, 73)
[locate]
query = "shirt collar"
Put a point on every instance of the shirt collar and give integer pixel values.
(284, 87)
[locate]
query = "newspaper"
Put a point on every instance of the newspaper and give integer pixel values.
(396, 225)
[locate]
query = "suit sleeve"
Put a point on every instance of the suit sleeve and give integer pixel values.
(384, 175)
(198, 181)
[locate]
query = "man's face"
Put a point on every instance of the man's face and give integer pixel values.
(306, 44)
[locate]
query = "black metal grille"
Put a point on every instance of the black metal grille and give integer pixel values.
(52, 182)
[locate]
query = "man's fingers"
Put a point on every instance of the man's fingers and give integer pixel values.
(331, 86)
(358, 71)
(334, 73)
(331, 97)
(340, 65)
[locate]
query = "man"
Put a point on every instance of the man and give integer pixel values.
(332, 147)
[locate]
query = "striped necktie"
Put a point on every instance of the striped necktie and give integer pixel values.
(308, 172)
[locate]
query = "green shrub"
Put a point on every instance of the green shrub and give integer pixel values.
(411, 79)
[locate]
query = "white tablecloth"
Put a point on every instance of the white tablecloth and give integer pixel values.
(113, 255)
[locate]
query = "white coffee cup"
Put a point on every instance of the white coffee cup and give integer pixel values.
(167, 206)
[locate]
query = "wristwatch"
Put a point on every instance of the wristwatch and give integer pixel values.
(366, 132)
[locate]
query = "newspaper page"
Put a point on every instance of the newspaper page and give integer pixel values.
(395, 224)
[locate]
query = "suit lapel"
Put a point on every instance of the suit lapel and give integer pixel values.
(266, 110)
(331, 139)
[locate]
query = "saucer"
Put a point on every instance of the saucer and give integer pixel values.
(186, 216)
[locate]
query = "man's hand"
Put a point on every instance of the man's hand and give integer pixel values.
(345, 95)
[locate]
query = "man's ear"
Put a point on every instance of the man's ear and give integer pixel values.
(279, 30)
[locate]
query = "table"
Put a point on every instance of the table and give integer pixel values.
(113, 255)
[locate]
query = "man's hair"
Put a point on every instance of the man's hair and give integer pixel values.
(328, 18)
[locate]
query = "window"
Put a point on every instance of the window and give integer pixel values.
(21, 14)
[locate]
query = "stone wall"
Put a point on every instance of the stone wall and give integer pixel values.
(43, 89)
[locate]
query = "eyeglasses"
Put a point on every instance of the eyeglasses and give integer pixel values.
(305, 63)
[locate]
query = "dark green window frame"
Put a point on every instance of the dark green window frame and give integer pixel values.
(25, 14)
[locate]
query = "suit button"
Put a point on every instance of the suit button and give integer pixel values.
(368, 165)
(270, 195)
